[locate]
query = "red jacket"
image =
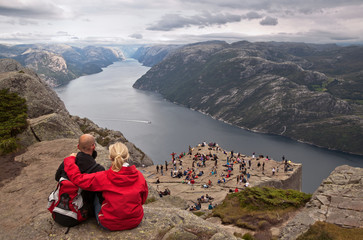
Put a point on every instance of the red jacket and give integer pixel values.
(124, 193)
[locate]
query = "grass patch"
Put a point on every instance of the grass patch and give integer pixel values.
(247, 236)
(150, 200)
(199, 213)
(328, 231)
(259, 208)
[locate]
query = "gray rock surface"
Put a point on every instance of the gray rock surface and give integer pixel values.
(41, 99)
(24, 214)
(338, 200)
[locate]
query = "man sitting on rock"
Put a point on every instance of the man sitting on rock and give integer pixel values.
(85, 160)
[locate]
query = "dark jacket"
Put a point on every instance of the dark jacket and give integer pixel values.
(86, 163)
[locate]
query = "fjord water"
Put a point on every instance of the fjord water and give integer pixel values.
(159, 127)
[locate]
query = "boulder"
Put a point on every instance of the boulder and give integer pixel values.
(338, 200)
(40, 98)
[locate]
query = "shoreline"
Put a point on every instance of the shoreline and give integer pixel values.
(257, 131)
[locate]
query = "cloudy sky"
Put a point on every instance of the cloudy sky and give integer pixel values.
(180, 21)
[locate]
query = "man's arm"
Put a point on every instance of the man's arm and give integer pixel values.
(90, 182)
(60, 172)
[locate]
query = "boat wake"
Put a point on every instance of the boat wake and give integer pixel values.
(124, 120)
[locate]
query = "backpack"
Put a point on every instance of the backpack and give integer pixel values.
(66, 203)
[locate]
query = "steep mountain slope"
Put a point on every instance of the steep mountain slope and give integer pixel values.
(259, 87)
(151, 55)
(58, 64)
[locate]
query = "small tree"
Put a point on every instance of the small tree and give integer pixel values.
(13, 115)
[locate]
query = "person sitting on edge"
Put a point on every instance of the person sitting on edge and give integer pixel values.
(85, 160)
(123, 187)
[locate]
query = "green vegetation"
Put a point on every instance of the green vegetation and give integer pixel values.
(247, 236)
(323, 87)
(259, 208)
(150, 200)
(336, 134)
(198, 213)
(328, 231)
(12, 120)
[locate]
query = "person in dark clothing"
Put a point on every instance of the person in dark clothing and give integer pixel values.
(85, 160)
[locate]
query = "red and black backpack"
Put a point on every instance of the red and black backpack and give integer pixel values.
(66, 203)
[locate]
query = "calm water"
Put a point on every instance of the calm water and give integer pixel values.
(159, 127)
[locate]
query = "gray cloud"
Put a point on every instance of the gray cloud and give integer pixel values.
(174, 21)
(36, 11)
(252, 15)
(136, 36)
(269, 21)
(306, 6)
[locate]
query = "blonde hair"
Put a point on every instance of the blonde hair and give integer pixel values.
(119, 154)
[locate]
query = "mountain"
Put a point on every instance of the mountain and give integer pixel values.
(58, 64)
(151, 55)
(302, 91)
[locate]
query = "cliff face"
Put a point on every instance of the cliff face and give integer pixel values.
(338, 200)
(293, 181)
(263, 87)
(47, 116)
(59, 64)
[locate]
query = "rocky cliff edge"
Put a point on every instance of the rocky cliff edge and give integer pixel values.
(338, 200)
(24, 214)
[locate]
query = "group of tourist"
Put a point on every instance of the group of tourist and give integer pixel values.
(234, 166)
(203, 199)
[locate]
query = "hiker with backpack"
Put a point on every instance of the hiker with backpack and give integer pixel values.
(123, 188)
(69, 204)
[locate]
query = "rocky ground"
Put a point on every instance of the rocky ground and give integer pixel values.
(27, 180)
(338, 200)
(180, 187)
(24, 214)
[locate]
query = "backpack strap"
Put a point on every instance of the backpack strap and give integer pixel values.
(89, 170)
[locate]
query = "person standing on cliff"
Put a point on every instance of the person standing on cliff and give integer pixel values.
(85, 160)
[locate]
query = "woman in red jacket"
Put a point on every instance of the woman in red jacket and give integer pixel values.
(123, 187)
